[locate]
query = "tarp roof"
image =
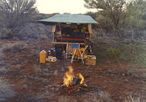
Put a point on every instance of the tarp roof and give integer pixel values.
(69, 18)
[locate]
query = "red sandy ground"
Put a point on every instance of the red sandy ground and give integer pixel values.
(109, 77)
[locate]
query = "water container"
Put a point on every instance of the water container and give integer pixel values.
(43, 56)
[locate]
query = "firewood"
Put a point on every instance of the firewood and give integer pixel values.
(87, 76)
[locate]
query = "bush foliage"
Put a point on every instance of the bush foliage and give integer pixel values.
(110, 54)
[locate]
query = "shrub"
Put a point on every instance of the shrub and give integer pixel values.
(132, 99)
(5, 91)
(15, 48)
(7, 48)
(109, 53)
(105, 97)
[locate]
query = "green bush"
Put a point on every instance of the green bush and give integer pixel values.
(109, 53)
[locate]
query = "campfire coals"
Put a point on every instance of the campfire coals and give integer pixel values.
(79, 88)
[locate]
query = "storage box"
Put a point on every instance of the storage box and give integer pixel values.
(90, 60)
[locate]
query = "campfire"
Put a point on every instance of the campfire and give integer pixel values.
(71, 79)
(73, 82)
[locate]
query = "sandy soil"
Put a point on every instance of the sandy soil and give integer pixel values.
(32, 80)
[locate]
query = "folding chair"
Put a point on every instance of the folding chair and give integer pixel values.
(77, 51)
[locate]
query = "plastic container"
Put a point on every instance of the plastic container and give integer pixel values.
(43, 56)
(51, 59)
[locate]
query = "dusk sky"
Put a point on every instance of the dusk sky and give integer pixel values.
(62, 6)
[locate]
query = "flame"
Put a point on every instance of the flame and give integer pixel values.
(68, 77)
(82, 78)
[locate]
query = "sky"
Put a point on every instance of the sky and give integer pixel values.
(62, 6)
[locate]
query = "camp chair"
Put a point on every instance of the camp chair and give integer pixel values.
(77, 51)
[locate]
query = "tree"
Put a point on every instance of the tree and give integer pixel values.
(92, 14)
(14, 13)
(135, 16)
(111, 13)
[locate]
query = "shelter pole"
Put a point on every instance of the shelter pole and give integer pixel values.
(53, 37)
(53, 30)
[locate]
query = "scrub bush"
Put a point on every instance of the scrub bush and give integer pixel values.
(109, 53)
(15, 48)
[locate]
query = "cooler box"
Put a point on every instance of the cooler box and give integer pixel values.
(90, 59)
(43, 56)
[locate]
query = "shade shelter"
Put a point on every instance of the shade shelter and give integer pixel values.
(70, 29)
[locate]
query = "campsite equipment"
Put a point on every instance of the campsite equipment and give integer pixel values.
(58, 53)
(51, 52)
(69, 29)
(43, 56)
(90, 59)
(51, 59)
(76, 80)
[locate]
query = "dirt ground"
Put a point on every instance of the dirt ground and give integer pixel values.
(33, 81)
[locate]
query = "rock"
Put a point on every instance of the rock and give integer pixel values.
(135, 76)
(108, 72)
(112, 75)
(17, 67)
(126, 80)
(25, 86)
(1, 56)
(56, 89)
(100, 76)
(46, 74)
(2, 63)
(123, 75)
(16, 38)
(45, 70)
(3, 70)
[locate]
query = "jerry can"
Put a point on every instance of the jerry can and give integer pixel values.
(43, 56)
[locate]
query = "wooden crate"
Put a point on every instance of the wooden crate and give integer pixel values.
(90, 60)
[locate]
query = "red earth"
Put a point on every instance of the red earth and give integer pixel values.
(32, 80)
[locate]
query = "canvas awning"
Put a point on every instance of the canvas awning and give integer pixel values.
(69, 18)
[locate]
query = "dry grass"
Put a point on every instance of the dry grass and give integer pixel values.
(43, 37)
(14, 48)
(37, 69)
(7, 48)
(105, 97)
(35, 53)
(101, 97)
(63, 99)
(132, 99)
(5, 91)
